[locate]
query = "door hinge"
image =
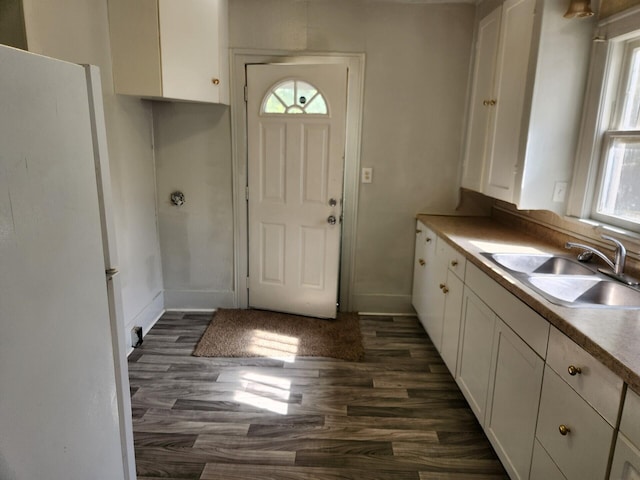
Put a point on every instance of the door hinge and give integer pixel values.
(246, 194)
(246, 93)
(247, 283)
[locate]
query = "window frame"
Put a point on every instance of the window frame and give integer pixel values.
(599, 113)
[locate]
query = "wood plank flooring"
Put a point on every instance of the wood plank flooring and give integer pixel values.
(396, 415)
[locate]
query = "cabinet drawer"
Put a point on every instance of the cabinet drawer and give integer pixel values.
(542, 467)
(583, 452)
(456, 261)
(594, 382)
(527, 324)
(630, 423)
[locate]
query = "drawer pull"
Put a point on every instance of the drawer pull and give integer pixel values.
(442, 285)
(454, 263)
(422, 262)
(573, 370)
(445, 290)
(564, 430)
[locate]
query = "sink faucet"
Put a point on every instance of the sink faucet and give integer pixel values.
(616, 267)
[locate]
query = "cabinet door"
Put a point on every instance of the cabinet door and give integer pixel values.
(626, 460)
(451, 323)
(542, 467)
(419, 270)
(510, 83)
(514, 396)
(481, 95)
(474, 353)
(436, 274)
(192, 45)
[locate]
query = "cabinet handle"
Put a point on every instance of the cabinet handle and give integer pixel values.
(485, 103)
(442, 285)
(454, 263)
(428, 239)
(422, 262)
(445, 290)
(573, 370)
(418, 230)
(215, 81)
(492, 102)
(564, 430)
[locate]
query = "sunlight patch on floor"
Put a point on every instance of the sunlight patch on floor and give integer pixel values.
(273, 345)
(265, 392)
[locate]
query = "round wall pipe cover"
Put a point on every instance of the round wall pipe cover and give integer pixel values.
(177, 198)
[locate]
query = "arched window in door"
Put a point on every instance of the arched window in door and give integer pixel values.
(294, 97)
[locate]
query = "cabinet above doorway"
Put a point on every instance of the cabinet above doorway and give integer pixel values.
(526, 101)
(170, 49)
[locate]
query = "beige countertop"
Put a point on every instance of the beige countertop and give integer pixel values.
(610, 335)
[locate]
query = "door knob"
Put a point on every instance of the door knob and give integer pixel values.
(331, 220)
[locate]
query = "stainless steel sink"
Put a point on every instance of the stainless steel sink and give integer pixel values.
(585, 291)
(566, 282)
(539, 263)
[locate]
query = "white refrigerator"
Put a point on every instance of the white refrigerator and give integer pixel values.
(64, 408)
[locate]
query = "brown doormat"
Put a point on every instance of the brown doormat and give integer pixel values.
(259, 333)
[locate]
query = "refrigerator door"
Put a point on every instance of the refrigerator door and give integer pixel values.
(59, 414)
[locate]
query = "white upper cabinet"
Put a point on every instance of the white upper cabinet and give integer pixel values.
(170, 49)
(526, 101)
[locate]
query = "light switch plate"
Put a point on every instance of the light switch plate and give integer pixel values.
(367, 175)
(560, 191)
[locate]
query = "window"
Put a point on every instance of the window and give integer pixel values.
(617, 199)
(294, 97)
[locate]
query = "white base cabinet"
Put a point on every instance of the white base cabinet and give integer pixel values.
(512, 407)
(626, 459)
(547, 420)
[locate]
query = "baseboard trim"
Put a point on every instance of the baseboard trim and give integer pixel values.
(146, 319)
(383, 303)
(193, 300)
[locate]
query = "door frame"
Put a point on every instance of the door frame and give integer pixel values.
(355, 63)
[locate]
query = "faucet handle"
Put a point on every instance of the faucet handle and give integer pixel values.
(620, 255)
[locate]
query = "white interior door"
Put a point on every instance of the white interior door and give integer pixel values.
(296, 134)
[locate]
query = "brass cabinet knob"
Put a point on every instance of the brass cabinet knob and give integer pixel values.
(418, 230)
(215, 81)
(428, 239)
(492, 102)
(564, 430)
(442, 285)
(445, 290)
(573, 370)
(422, 262)
(454, 263)
(485, 103)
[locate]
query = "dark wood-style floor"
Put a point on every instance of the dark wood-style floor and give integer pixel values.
(397, 415)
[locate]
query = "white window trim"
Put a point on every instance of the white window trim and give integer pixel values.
(606, 51)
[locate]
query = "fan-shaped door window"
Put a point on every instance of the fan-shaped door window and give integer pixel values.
(294, 97)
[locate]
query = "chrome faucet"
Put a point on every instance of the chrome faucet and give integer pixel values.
(616, 267)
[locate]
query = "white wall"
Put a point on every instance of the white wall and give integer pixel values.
(417, 64)
(78, 31)
(193, 155)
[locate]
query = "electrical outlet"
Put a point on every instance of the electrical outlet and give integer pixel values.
(560, 191)
(367, 175)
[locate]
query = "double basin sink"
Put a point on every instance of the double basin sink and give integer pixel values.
(566, 282)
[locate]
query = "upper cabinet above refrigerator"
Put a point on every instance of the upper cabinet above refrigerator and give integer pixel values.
(526, 101)
(171, 49)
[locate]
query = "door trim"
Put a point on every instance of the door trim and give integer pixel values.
(355, 96)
